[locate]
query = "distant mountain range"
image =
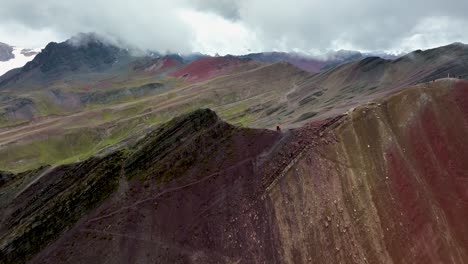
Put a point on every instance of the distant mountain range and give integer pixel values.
(87, 52)
(305, 62)
(74, 80)
(69, 76)
(258, 90)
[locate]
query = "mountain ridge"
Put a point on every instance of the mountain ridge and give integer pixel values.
(252, 187)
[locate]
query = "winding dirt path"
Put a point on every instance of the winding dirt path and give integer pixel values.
(175, 189)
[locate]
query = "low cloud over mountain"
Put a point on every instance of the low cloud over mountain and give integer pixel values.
(242, 26)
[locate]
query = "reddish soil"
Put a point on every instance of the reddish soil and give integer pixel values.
(162, 64)
(387, 185)
(460, 96)
(155, 66)
(208, 67)
(431, 179)
(216, 213)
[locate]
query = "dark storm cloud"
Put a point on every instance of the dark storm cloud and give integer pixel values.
(281, 25)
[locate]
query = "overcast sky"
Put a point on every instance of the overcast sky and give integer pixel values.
(241, 26)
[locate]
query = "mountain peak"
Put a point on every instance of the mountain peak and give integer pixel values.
(67, 56)
(84, 52)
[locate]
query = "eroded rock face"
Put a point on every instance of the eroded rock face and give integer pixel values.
(385, 183)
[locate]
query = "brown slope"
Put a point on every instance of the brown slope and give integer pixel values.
(38, 205)
(359, 82)
(180, 165)
(179, 221)
(386, 186)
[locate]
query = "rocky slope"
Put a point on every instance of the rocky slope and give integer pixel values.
(59, 59)
(385, 183)
(349, 85)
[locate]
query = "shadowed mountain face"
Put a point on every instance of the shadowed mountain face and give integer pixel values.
(58, 59)
(188, 151)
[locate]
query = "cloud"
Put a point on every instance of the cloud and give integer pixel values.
(434, 31)
(228, 9)
(223, 37)
(26, 37)
(358, 24)
(143, 23)
(230, 26)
